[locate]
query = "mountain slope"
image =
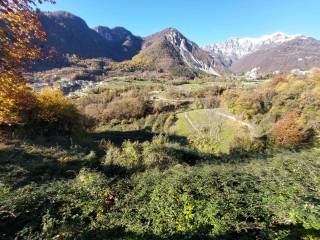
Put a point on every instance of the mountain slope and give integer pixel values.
(169, 48)
(300, 53)
(69, 34)
(234, 49)
(121, 40)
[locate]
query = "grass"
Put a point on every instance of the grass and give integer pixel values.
(201, 85)
(207, 123)
(193, 86)
(128, 81)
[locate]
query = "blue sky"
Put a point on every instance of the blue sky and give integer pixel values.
(203, 21)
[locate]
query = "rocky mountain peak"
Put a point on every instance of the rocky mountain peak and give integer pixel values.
(302, 53)
(235, 48)
(171, 48)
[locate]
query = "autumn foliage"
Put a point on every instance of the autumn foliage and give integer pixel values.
(55, 114)
(287, 131)
(19, 30)
(278, 79)
(47, 111)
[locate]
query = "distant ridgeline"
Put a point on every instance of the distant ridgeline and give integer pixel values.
(169, 49)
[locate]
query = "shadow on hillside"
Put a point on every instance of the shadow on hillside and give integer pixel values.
(19, 168)
(118, 137)
(118, 233)
(202, 232)
(91, 141)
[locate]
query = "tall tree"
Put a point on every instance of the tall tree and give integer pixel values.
(19, 30)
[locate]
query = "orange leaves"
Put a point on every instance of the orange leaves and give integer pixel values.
(287, 132)
(19, 30)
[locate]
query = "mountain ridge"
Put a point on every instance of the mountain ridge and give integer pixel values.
(235, 48)
(169, 48)
(302, 53)
(172, 43)
(122, 40)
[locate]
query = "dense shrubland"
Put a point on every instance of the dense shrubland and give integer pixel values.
(134, 156)
(147, 191)
(118, 104)
(138, 63)
(286, 108)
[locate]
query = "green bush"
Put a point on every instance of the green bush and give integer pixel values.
(248, 146)
(267, 198)
(247, 201)
(64, 209)
(160, 153)
(132, 156)
(204, 145)
(129, 156)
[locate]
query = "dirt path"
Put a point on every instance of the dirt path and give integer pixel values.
(230, 116)
(192, 125)
(234, 118)
(221, 114)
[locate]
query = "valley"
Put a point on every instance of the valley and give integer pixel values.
(109, 135)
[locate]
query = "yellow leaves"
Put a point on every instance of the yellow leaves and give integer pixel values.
(15, 100)
(138, 62)
(53, 104)
(298, 84)
(316, 91)
(48, 110)
(18, 31)
(315, 76)
(282, 86)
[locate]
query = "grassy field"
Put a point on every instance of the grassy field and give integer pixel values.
(195, 86)
(209, 123)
